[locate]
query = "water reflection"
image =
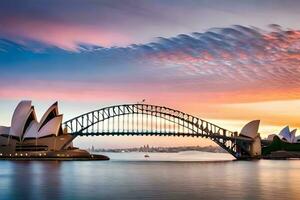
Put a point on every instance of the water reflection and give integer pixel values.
(123, 179)
(30, 180)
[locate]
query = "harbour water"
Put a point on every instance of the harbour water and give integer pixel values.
(184, 175)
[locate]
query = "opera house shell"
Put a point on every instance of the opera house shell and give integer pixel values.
(286, 135)
(28, 137)
(250, 130)
(284, 145)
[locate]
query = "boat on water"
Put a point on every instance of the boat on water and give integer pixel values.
(146, 156)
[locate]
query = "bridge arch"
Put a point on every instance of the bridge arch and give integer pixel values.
(144, 119)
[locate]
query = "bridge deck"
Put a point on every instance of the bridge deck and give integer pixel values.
(178, 134)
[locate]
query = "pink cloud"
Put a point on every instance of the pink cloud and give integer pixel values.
(246, 66)
(63, 35)
(236, 59)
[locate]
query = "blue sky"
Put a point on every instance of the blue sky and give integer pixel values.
(219, 60)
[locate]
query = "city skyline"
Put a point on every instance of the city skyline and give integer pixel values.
(229, 69)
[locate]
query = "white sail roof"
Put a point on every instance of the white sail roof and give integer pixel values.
(32, 130)
(285, 134)
(25, 125)
(271, 137)
(293, 135)
(250, 129)
(49, 114)
(19, 118)
(51, 128)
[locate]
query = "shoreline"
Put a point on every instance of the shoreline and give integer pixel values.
(92, 157)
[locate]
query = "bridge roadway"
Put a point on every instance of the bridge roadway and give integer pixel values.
(152, 120)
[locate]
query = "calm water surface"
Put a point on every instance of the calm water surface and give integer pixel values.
(183, 175)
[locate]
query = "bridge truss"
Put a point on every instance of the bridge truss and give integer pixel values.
(151, 120)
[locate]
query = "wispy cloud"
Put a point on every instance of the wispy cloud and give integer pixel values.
(233, 64)
(120, 22)
(240, 56)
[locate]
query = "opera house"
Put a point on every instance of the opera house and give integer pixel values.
(286, 135)
(283, 145)
(28, 138)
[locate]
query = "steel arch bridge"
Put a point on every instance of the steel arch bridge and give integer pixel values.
(151, 120)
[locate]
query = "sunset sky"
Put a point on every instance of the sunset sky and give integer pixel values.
(228, 62)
